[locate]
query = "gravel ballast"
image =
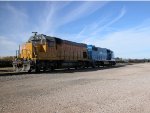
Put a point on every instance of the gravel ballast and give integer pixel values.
(124, 89)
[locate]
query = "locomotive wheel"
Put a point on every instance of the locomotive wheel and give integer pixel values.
(52, 68)
(18, 69)
(37, 70)
(76, 67)
(44, 70)
(29, 71)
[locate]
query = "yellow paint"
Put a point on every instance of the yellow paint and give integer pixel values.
(26, 51)
(59, 52)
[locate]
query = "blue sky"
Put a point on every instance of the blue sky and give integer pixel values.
(123, 27)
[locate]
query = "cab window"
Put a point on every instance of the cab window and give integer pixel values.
(51, 43)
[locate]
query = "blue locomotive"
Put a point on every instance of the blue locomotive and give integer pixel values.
(100, 56)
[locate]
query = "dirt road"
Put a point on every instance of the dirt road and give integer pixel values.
(115, 90)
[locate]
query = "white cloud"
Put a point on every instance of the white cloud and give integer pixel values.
(16, 12)
(13, 25)
(89, 29)
(130, 43)
(53, 20)
(14, 19)
(99, 28)
(7, 46)
(49, 17)
(86, 8)
(102, 24)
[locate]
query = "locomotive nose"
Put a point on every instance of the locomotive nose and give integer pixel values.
(21, 65)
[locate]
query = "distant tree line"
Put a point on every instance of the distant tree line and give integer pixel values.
(121, 60)
(6, 61)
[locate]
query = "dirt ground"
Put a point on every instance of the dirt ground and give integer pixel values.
(122, 89)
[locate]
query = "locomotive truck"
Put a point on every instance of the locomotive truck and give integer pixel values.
(42, 52)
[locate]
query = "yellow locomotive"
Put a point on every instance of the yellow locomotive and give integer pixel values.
(43, 52)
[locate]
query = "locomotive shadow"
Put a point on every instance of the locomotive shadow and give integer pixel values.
(59, 71)
(90, 69)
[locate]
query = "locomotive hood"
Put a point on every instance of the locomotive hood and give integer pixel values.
(41, 37)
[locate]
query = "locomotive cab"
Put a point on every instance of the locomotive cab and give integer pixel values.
(38, 47)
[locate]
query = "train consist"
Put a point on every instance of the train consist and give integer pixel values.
(44, 53)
